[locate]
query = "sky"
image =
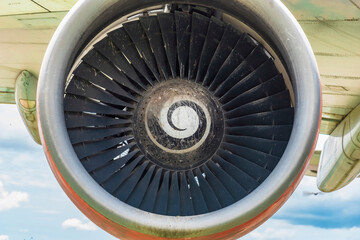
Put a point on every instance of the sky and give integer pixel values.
(33, 206)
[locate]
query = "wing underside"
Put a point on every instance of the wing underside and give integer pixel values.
(26, 28)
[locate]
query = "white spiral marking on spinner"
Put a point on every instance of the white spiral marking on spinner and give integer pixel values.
(184, 118)
(183, 124)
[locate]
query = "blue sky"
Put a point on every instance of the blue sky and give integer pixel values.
(33, 206)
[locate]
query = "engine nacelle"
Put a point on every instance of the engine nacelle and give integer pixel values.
(187, 119)
(339, 162)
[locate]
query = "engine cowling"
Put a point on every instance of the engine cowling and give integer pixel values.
(165, 120)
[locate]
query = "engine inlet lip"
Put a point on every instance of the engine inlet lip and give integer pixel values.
(283, 34)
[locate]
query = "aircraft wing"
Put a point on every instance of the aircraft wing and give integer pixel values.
(26, 28)
(332, 27)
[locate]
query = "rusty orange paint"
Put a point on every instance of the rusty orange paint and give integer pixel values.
(122, 232)
(125, 233)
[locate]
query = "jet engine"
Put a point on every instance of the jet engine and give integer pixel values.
(179, 119)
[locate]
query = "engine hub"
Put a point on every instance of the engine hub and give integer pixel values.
(178, 124)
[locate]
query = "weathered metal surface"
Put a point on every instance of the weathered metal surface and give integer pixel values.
(7, 95)
(340, 159)
(26, 28)
(333, 29)
(11, 7)
(56, 5)
(329, 9)
(25, 95)
(313, 166)
(23, 41)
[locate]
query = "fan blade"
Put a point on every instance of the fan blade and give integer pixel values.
(279, 117)
(168, 31)
(104, 158)
(96, 77)
(174, 196)
(77, 104)
(268, 88)
(112, 183)
(96, 60)
(83, 88)
(197, 197)
(272, 147)
(221, 192)
(262, 159)
(280, 133)
(211, 200)
(247, 182)
(213, 37)
(150, 195)
(187, 208)
(122, 40)
(108, 49)
(153, 32)
(242, 49)
(75, 120)
(255, 171)
(246, 78)
(78, 135)
(275, 102)
(183, 26)
(138, 193)
(138, 36)
(199, 28)
(233, 187)
(162, 197)
(87, 149)
(128, 186)
(227, 43)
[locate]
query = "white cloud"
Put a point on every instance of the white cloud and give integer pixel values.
(345, 197)
(9, 200)
(23, 168)
(322, 209)
(79, 225)
(22, 161)
(309, 214)
(273, 233)
(283, 230)
(5, 177)
(4, 237)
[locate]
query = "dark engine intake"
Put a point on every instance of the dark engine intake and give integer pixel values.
(188, 120)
